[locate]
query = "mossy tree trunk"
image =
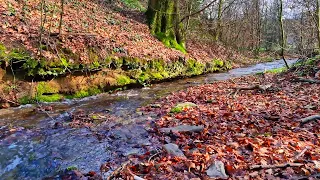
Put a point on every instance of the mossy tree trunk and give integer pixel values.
(164, 21)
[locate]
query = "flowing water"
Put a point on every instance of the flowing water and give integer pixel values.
(37, 149)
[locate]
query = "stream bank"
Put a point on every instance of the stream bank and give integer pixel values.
(35, 146)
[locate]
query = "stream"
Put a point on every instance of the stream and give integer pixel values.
(37, 148)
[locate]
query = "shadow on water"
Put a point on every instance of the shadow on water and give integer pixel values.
(36, 150)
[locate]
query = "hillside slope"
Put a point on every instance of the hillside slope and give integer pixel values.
(108, 29)
(102, 46)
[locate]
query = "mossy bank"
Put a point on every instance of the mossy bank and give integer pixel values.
(36, 80)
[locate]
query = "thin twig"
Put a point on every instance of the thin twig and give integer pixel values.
(255, 167)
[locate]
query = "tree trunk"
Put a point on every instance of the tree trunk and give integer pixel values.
(219, 21)
(282, 33)
(164, 22)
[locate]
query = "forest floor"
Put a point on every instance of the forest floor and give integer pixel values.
(245, 128)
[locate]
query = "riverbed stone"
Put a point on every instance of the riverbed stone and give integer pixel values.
(173, 150)
(182, 128)
(216, 170)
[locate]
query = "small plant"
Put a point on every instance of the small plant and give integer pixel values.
(71, 168)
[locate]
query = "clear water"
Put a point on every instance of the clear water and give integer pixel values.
(37, 150)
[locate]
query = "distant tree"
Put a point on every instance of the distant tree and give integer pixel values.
(219, 21)
(61, 16)
(283, 39)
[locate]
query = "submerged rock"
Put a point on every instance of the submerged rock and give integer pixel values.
(216, 170)
(174, 150)
(182, 128)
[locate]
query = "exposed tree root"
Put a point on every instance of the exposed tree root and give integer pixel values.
(257, 167)
(309, 119)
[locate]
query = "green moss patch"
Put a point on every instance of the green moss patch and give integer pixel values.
(170, 41)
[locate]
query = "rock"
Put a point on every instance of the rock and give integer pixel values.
(155, 105)
(217, 170)
(132, 152)
(186, 105)
(174, 150)
(179, 107)
(182, 128)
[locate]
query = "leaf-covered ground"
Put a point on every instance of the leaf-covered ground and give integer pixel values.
(106, 28)
(242, 128)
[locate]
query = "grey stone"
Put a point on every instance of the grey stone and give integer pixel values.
(174, 150)
(182, 128)
(132, 152)
(216, 170)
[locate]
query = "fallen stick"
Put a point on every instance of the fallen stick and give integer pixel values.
(301, 153)
(254, 87)
(312, 81)
(309, 119)
(116, 172)
(255, 167)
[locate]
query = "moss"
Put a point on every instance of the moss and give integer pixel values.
(176, 110)
(123, 80)
(194, 67)
(218, 63)
(46, 88)
(108, 61)
(144, 78)
(93, 55)
(277, 70)
(50, 98)
(176, 68)
(156, 75)
(18, 55)
(80, 94)
(71, 168)
(3, 50)
(132, 63)
(116, 62)
(26, 100)
(170, 41)
(94, 91)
